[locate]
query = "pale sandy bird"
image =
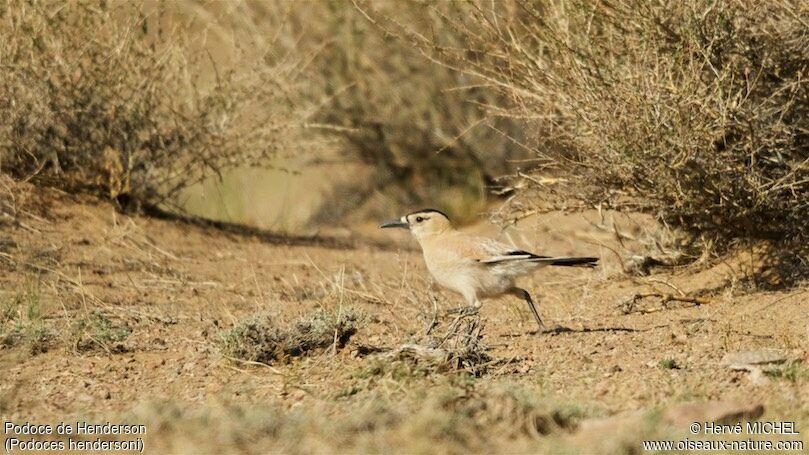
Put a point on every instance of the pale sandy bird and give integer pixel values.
(476, 267)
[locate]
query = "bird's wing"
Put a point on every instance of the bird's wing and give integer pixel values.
(498, 253)
(504, 255)
(493, 252)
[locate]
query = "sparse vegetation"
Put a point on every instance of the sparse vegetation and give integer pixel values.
(98, 331)
(262, 339)
(516, 392)
(229, 340)
(21, 320)
(793, 371)
(669, 364)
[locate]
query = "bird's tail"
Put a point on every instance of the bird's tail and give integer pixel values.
(570, 262)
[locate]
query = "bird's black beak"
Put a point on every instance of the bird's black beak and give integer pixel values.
(395, 224)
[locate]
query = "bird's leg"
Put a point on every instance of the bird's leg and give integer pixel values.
(433, 321)
(523, 294)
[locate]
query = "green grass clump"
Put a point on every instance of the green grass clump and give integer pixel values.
(98, 331)
(669, 364)
(21, 321)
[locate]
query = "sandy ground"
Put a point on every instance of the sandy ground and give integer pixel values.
(175, 287)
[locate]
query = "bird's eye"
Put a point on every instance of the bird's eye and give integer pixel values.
(419, 219)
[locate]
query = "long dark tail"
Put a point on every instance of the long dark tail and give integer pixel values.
(572, 262)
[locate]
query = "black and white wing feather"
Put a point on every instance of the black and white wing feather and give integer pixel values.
(501, 254)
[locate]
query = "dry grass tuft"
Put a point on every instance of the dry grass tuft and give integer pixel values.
(460, 348)
(263, 340)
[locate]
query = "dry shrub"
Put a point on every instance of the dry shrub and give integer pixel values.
(101, 97)
(263, 340)
(695, 111)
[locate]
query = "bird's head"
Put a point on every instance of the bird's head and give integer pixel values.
(421, 223)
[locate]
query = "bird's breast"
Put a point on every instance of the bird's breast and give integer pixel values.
(458, 274)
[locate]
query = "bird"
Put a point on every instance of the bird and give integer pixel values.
(477, 268)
